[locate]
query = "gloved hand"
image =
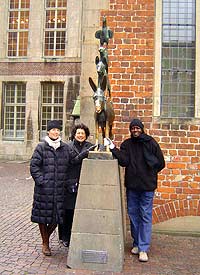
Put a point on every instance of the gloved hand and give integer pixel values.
(85, 153)
(91, 148)
(108, 142)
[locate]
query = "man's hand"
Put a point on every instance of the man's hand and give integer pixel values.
(108, 142)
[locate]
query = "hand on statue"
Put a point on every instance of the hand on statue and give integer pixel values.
(91, 148)
(108, 142)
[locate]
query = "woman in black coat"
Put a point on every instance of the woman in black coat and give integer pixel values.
(48, 168)
(79, 149)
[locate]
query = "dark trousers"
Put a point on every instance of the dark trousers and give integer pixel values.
(64, 230)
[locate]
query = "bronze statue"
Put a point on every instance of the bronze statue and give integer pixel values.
(104, 34)
(104, 112)
(102, 70)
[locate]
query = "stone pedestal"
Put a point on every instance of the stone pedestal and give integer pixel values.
(97, 241)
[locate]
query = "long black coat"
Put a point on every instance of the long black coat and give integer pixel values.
(48, 168)
(78, 152)
(142, 159)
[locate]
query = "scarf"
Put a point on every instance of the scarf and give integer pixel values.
(141, 138)
(53, 143)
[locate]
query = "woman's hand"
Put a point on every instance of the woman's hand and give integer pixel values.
(91, 148)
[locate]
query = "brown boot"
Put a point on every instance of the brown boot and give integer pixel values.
(45, 239)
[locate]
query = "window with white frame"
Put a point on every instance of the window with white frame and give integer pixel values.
(14, 110)
(18, 28)
(55, 27)
(176, 54)
(52, 102)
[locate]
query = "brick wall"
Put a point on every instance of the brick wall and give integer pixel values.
(40, 68)
(131, 74)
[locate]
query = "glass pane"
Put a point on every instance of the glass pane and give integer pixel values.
(24, 18)
(62, 3)
(56, 13)
(61, 19)
(14, 110)
(13, 20)
(46, 116)
(18, 20)
(9, 117)
(12, 44)
(58, 94)
(50, 3)
(49, 43)
(58, 113)
(20, 118)
(52, 104)
(47, 94)
(25, 4)
(60, 43)
(10, 93)
(21, 93)
(178, 59)
(50, 19)
(23, 43)
(14, 4)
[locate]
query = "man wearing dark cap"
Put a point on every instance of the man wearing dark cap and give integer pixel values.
(48, 168)
(143, 159)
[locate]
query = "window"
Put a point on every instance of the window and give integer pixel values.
(52, 104)
(14, 110)
(55, 27)
(175, 87)
(18, 28)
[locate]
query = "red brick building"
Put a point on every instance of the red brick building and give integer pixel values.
(135, 74)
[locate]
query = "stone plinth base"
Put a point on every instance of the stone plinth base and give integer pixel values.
(97, 241)
(100, 155)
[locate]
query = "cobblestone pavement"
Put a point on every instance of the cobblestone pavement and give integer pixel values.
(20, 242)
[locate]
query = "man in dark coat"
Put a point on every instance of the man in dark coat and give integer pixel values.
(143, 159)
(48, 168)
(79, 149)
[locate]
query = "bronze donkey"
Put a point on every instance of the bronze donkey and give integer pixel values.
(104, 112)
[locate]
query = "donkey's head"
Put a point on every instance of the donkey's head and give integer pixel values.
(98, 97)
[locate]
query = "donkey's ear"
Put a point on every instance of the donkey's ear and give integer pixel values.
(92, 84)
(104, 83)
(96, 60)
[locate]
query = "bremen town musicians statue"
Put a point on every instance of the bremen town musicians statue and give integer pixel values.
(104, 112)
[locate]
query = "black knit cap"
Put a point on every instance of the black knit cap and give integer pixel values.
(136, 122)
(54, 124)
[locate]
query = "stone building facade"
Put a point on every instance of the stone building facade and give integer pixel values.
(32, 75)
(143, 62)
